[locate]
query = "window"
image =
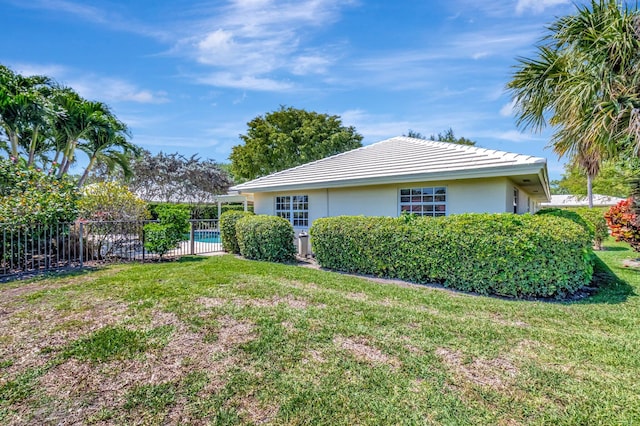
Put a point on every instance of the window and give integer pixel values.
(515, 200)
(424, 201)
(294, 208)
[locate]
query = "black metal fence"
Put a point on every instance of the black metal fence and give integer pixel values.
(33, 248)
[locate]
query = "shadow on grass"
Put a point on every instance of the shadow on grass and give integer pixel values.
(190, 259)
(612, 289)
(615, 249)
(43, 275)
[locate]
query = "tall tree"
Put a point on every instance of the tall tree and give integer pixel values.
(289, 137)
(583, 81)
(176, 178)
(26, 112)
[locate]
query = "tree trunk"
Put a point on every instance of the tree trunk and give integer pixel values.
(92, 161)
(590, 190)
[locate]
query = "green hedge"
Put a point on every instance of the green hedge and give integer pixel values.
(571, 215)
(595, 216)
(228, 230)
(199, 211)
(503, 254)
(265, 237)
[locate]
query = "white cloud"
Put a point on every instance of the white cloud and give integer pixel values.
(537, 6)
(94, 87)
(507, 109)
(244, 82)
(252, 39)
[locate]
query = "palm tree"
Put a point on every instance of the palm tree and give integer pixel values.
(107, 143)
(26, 112)
(584, 83)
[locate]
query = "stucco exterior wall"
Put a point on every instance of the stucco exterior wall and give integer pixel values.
(463, 196)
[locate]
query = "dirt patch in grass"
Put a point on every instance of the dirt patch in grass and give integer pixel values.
(34, 329)
(291, 301)
(103, 385)
(256, 412)
(496, 373)
(211, 302)
(499, 319)
(362, 350)
(356, 296)
(233, 332)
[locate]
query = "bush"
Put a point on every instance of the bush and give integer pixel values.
(200, 211)
(166, 235)
(503, 254)
(265, 237)
(624, 223)
(111, 201)
(595, 217)
(228, 230)
(571, 215)
(33, 196)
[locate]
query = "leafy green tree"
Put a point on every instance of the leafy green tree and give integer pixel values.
(614, 179)
(287, 138)
(111, 201)
(29, 195)
(447, 136)
(46, 124)
(583, 81)
(173, 178)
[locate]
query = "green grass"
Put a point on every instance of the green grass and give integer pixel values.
(226, 341)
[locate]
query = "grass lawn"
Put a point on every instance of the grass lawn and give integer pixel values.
(226, 341)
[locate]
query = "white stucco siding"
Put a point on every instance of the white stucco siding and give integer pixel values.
(477, 196)
(379, 200)
(493, 195)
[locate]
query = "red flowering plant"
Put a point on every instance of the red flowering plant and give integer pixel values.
(624, 223)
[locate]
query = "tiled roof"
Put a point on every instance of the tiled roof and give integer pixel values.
(399, 159)
(581, 200)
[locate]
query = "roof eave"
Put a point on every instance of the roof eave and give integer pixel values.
(501, 171)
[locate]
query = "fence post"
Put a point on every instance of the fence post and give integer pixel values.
(192, 238)
(81, 245)
(144, 250)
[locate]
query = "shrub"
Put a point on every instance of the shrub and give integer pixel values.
(111, 201)
(595, 217)
(624, 223)
(33, 203)
(200, 211)
(571, 215)
(166, 235)
(503, 254)
(265, 237)
(228, 230)
(33, 196)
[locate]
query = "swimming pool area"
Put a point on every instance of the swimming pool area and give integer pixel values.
(206, 236)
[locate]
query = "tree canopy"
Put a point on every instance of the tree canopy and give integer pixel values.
(583, 81)
(447, 136)
(287, 138)
(173, 178)
(46, 125)
(615, 179)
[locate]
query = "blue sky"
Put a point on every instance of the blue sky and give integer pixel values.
(187, 76)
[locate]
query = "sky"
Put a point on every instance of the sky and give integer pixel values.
(187, 76)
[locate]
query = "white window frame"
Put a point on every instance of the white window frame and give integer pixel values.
(516, 199)
(419, 199)
(294, 208)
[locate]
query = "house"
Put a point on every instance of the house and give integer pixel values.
(403, 174)
(564, 201)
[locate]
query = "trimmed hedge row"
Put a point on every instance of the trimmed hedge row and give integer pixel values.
(228, 230)
(591, 219)
(265, 237)
(502, 254)
(198, 211)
